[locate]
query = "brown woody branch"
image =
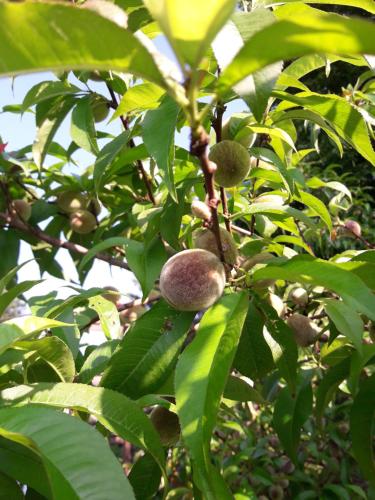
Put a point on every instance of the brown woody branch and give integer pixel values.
(15, 222)
(198, 148)
(139, 163)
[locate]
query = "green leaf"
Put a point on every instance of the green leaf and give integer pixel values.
(290, 413)
(146, 261)
(139, 98)
(237, 389)
(362, 428)
(82, 128)
(108, 316)
(158, 135)
(201, 376)
(316, 206)
(257, 88)
(106, 156)
(54, 352)
(281, 342)
(103, 245)
(346, 320)
(97, 360)
(328, 386)
(48, 126)
(253, 357)
(305, 269)
(30, 325)
(115, 411)
(273, 208)
(9, 488)
(145, 478)
(46, 90)
(301, 30)
(72, 27)
(24, 465)
(10, 275)
(8, 297)
(341, 115)
(190, 26)
(148, 352)
(80, 447)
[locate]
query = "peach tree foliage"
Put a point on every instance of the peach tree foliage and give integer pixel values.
(288, 318)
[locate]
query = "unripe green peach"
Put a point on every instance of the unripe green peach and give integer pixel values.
(299, 296)
(303, 328)
(167, 425)
(23, 209)
(100, 109)
(71, 201)
(114, 294)
(233, 163)
(200, 210)
(82, 222)
(192, 280)
(108, 10)
(205, 239)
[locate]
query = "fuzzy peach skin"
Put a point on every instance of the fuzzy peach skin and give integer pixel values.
(192, 280)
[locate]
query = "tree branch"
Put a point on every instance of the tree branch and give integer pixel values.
(16, 223)
(139, 163)
(198, 148)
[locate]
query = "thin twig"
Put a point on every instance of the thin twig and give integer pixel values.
(17, 223)
(139, 163)
(198, 148)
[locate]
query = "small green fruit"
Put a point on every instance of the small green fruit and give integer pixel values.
(82, 222)
(192, 280)
(205, 239)
(113, 296)
(304, 330)
(167, 425)
(100, 109)
(71, 201)
(23, 209)
(233, 163)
